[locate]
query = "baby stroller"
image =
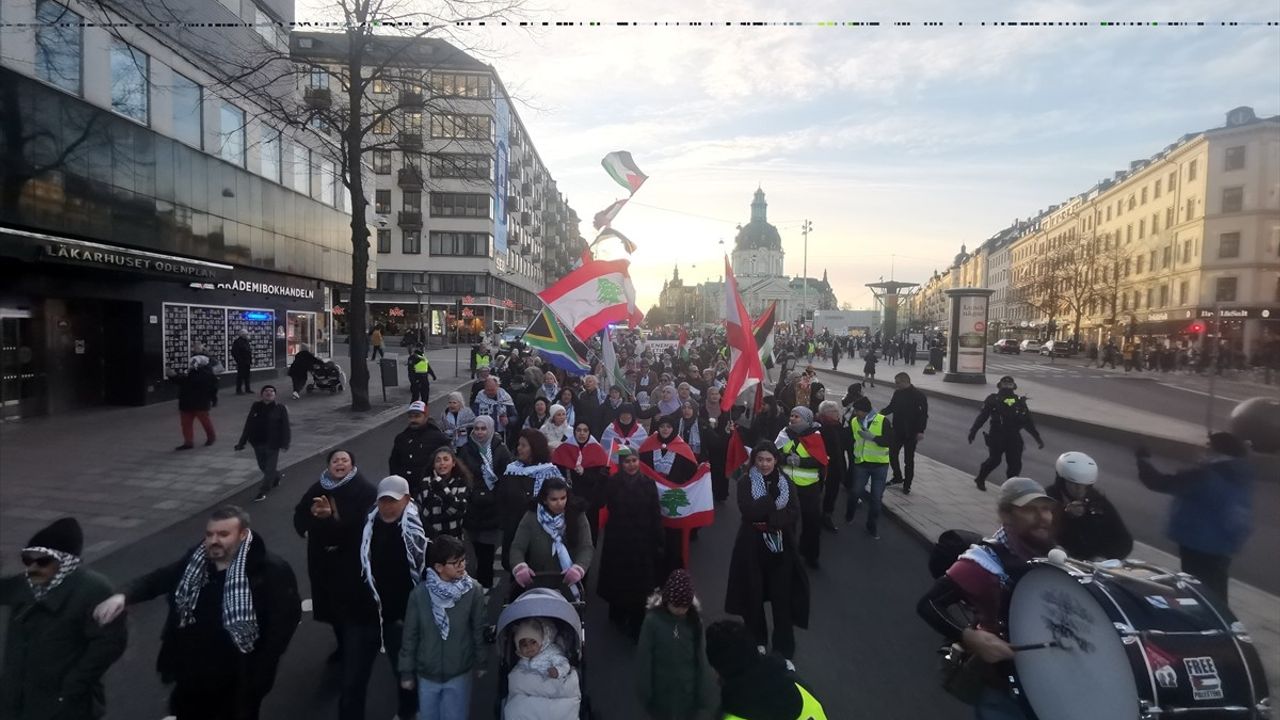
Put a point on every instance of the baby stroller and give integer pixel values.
(326, 376)
(549, 606)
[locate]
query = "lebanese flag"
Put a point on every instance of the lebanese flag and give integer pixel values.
(745, 370)
(624, 170)
(687, 506)
(593, 455)
(737, 454)
(603, 218)
(585, 258)
(594, 296)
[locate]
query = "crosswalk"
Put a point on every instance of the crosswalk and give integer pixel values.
(1044, 369)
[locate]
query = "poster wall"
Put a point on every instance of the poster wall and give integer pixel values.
(971, 333)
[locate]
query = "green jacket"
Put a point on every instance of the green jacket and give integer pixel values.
(672, 676)
(55, 652)
(425, 654)
(531, 544)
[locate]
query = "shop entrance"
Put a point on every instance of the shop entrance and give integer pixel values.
(22, 378)
(94, 354)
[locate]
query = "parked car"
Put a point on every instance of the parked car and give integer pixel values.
(509, 336)
(1060, 348)
(1031, 346)
(1008, 346)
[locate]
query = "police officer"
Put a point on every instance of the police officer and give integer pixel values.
(480, 359)
(419, 371)
(1009, 416)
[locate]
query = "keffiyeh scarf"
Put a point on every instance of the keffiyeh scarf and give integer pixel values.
(328, 483)
(554, 525)
(238, 616)
(689, 431)
(444, 595)
(772, 538)
(539, 472)
(486, 463)
(67, 564)
(415, 549)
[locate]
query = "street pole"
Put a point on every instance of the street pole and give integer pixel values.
(804, 303)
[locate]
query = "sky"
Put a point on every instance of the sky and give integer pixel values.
(899, 143)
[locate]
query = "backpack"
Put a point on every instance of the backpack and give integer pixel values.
(950, 546)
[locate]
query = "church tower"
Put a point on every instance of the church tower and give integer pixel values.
(757, 250)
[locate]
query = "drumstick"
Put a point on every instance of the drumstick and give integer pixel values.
(1037, 646)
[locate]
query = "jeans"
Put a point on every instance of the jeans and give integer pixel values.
(376, 351)
(878, 474)
(448, 700)
(997, 704)
(358, 646)
(187, 418)
(267, 458)
(1211, 570)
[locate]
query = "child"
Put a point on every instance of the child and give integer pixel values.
(542, 685)
(443, 633)
(671, 671)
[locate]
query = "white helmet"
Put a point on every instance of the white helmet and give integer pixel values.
(1076, 467)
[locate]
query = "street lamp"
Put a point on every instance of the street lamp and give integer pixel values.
(804, 303)
(420, 290)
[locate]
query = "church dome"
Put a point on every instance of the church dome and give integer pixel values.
(758, 234)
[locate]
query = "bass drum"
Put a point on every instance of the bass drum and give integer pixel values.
(1131, 642)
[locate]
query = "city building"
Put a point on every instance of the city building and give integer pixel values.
(757, 265)
(146, 208)
(462, 206)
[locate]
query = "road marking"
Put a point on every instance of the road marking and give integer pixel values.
(1220, 396)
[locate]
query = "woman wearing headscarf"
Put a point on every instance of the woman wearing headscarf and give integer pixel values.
(631, 552)
(456, 419)
(764, 566)
(557, 428)
(805, 454)
(668, 455)
(623, 432)
(693, 428)
(553, 538)
(487, 458)
(565, 399)
(517, 487)
(585, 465)
(668, 404)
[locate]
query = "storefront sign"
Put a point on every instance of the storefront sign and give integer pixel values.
(1245, 313)
(75, 252)
(269, 289)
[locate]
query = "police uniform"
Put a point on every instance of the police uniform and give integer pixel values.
(1009, 416)
(419, 371)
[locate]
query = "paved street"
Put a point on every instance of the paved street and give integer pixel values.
(866, 653)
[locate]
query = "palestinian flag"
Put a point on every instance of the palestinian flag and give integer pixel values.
(605, 217)
(555, 345)
(609, 233)
(623, 170)
(762, 328)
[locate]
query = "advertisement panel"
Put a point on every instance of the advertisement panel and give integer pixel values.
(971, 334)
(502, 120)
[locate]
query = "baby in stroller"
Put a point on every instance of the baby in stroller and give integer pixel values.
(543, 684)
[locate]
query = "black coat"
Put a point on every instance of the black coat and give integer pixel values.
(267, 425)
(197, 389)
(412, 452)
(910, 410)
(631, 556)
(242, 352)
(588, 408)
(837, 438)
(338, 590)
(745, 591)
(1099, 533)
(515, 498)
(302, 364)
(275, 602)
(482, 510)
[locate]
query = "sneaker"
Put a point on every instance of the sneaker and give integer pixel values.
(894, 481)
(208, 442)
(906, 489)
(791, 667)
(980, 483)
(260, 497)
(184, 447)
(762, 650)
(296, 396)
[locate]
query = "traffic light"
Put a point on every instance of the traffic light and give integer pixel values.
(1195, 328)
(457, 308)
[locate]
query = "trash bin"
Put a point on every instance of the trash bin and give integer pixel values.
(390, 375)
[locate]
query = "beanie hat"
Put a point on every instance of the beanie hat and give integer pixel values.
(63, 535)
(678, 590)
(529, 629)
(804, 412)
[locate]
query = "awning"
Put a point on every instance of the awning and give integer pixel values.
(42, 247)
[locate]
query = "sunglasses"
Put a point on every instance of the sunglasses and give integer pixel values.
(38, 560)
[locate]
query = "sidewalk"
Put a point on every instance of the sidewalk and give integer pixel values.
(943, 498)
(116, 471)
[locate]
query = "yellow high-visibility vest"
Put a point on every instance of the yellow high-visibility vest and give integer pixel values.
(869, 451)
(806, 473)
(422, 366)
(810, 710)
(482, 361)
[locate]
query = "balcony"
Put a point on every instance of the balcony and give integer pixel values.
(409, 141)
(317, 98)
(409, 178)
(526, 189)
(526, 217)
(411, 98)
(410, 220)
(513, 202)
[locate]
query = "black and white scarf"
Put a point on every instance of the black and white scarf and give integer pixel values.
(238, 616)
(415, 549)
(772, 538)
(486, 462)
(328, 483)
(539, 473)
(67, 564)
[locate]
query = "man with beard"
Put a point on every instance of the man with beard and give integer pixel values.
(979, 580)
(805, 454)
(55, 655)
(415, 446)
(233, 608)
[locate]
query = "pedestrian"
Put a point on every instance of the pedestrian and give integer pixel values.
(233, 608)
(266, 428)
(1009, 416)
(979, 581)
(910, 410)
(375, 343)
(300, 368)
(853, 393)
(715, 442)
(672, 677)
(869, 368)
(487, 459)
(838, 442)
(631, 552)
(764, 566)
(242, 353)
(668, 455)
(550, 388)
(557, 428)
(443, 497)
(835, 357)
(496, 403)
(871, 433)
(413, 449)
(443, 634)
(519, 485)
(585, 465)
(393, 555)
(590, 404)
(1212, 507)
(807, 460)
(456, 419)
(55, 654)
(420, 375)
(197, 395)
(552, 545)
(1088, 526)
(754, 686)
(566, 399)
(624, 431)
(331, 515)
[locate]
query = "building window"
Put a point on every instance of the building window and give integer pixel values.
(59, 46)
(1183, 288)
(1128, 234)
(1142, 229)
(1232, 199)
(1141, 259)
(129, 73)
(460, 85)
(1164, 296)
(1156, 194)
(413, 123)
(1234, 158)
(1191, 170)
(1137, 300)
(411, 244)
(1191, 208)
(1166, 257)
(382, 162)
(460, 205)
(231, 134)
(412, 201)
(1132, 202)
(460, 127)
(302, 169)
(1108, 212)
(1229, 245)
(1152, 264)
(381, 86)
(1186, 251)
(384, 241)
(318, 78)
(382, 202)
(382, 126)
(1144, 196)
(188, 113)
(461, 283)
(270, 153)
(1173, 180)
(399, 281)
(1124, 301)
(1119, 207)
(1225, 289)
(460, 244)
(467, 167)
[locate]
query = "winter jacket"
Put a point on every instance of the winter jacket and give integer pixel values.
(267, 425)
(424, 654)
(482, 508)
(745, 592)
(532, 545)
(338, 592)
(412, 453)
(1212, 503)
(275, 602)
(197, 390)
(514, 498)
(442, 503)
(55, 653)
(242, 352)
(910, 410)
(589, 408)
(1098, 533)
(631, 553)
(764, 690)
(673, 679)
(302, 364)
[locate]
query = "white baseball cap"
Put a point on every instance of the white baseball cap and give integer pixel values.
(418, 406)
(394, 487)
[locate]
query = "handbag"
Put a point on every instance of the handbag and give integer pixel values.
(962, 674)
